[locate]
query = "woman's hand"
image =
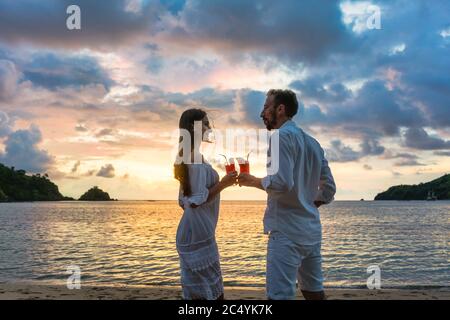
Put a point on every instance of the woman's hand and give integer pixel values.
(229, 179)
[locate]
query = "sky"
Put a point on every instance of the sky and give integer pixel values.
(100, 105)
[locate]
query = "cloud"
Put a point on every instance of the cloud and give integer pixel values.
(206, 97)
(9, 77)
(75, 167)
(53, 71)
(371, 146)
(251, 102)
(341, 153)
(315, 89)
(81, 128)
(105, 132)
(442, 153)
(401, 155)
(368, 109)
(407, 163)
(89, 173)
(6, 124)
(418, 138)
(311, 115)
(289, 30)
(103, 23)
(21, 151)
(107, 171)
(352, 88)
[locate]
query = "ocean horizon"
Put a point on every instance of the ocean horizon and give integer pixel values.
(133, 242)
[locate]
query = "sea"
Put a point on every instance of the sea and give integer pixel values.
(133, 243)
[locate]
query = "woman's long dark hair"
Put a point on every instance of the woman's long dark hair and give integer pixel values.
(181, 170)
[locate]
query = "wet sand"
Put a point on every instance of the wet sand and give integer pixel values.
(14, 291)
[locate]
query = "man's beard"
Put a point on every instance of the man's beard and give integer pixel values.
(270, 123)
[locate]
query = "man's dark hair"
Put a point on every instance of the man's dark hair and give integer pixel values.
(287, 98)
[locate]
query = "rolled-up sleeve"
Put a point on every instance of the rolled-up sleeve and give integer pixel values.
(327, 186)
(283, 179)
(197, 178)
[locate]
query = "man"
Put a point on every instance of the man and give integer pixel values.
(301, 185)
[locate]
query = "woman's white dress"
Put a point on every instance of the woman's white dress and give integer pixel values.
(201, 277)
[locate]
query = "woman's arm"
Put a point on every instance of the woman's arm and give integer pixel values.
(224, 183)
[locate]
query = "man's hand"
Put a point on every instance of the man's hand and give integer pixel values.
(247, 180)
(319, 203)
(229, 179)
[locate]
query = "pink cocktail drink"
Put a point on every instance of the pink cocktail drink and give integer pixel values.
(244, 167)
(230, 168)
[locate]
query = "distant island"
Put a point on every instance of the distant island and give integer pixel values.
(18, 186)
(95, 194)
(438, 189)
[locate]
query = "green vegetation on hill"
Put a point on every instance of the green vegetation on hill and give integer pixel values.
(440, 187)
(3, 196)
(95, 194)
(16, 185)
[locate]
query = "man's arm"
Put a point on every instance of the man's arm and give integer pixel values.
(247, 180)
(327, 186)
(282, 180)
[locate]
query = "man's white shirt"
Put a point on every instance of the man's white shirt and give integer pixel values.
(303, 177)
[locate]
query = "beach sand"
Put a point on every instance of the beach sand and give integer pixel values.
(14, 291)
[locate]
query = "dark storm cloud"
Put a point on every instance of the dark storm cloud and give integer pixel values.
(418, 138)
(409, 88)
(371, 146)
(103, 23)
(314, 88)
(53, 71)
(339, 152)
(293, 30)
(374, 106)
(404, 89)
(425, 62)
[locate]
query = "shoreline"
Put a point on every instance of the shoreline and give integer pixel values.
(47, 291)
(238, 200)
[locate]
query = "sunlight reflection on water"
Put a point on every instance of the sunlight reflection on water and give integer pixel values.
(134, 242)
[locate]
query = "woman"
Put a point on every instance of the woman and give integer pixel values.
(201, 276)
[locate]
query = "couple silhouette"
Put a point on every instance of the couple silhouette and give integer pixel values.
(302, 183)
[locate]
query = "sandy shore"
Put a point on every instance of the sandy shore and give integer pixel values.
(13, 291)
